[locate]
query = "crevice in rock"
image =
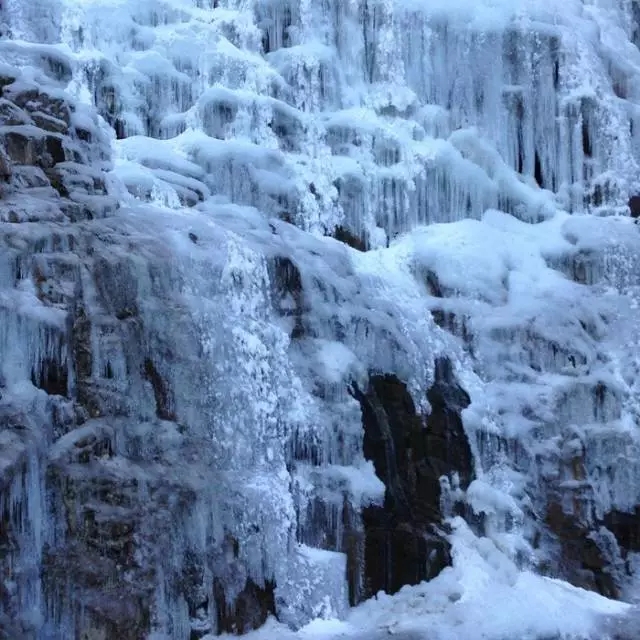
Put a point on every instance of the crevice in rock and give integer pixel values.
(433, 284)
(51, 376)
(288, 292)
(537, 173)
(587, 146)
(164, 409)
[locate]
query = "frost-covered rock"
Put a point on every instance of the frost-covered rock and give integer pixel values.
(285, 284)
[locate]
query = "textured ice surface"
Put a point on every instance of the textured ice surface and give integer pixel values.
(477, 148)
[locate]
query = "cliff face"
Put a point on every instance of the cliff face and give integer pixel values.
(285, 286)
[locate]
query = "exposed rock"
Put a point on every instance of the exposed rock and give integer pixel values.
(288, 293)
(344, 235)
(5, 167)
(160, 391)
(141, 347)
(403, 540)
(40, 100)
(49, 123)
(250, 610)
(584, 561)
(11, 115)
(28, 145)
(52, 377)
(39, 149)
(583, 546)
(625, 527)
(634, 206)
(96, 496)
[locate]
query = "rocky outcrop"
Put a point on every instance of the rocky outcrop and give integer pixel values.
(97, 479)
(50, 158)
(53, 155)
(587, 555)
(404, 539)
(634, 206)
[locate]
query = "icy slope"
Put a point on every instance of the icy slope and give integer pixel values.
(483, 595)
(287, 284)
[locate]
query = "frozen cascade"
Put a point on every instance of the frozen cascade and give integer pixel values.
(305, 300)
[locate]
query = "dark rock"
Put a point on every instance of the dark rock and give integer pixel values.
(433, 284)
(122, 612)
(35, 99)
(625, 527)
(5, 167)
(11, 115)
(454, 323)
(82, 359)
(287, 281)
(583, 561)
(84, 134)
(634, 206)
(164, 409)
(69, 177)
(403, 538)
(100, 519)
(344, 235)
(250, 610)
(55, 149)
(49, 123)
(116, 283)
(52, 377)
(7, 78)
(289, 129)
(57, 182)
(30, 146)
(120, 128)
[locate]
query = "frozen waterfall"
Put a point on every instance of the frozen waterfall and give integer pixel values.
(304, 301)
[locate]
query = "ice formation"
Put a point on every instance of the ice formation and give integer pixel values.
(251, 250)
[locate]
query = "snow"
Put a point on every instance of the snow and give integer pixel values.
(361, 482)
(483, 595)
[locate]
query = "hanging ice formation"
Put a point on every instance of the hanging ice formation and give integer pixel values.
(284, 284)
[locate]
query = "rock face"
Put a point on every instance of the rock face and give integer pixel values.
(54, 158)
(404, 542)
(284, 285)
(53, 164)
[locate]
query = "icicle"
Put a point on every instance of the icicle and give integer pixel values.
(23, 512)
